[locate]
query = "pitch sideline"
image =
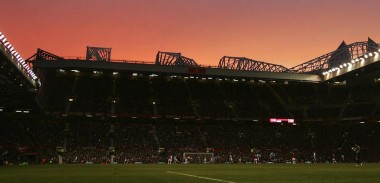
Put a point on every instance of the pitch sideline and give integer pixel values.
(200, 177)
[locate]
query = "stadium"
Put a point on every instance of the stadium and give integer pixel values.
(210, 122)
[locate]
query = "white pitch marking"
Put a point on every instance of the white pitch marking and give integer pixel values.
(200, 177)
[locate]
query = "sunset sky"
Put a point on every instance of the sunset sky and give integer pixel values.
(285, 32)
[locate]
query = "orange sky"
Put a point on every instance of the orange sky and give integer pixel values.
(286, 32)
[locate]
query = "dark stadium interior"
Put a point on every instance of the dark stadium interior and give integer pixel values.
(178, 114)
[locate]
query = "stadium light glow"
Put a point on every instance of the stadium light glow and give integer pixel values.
(18, 111)
(1, 109)
(115, 73)
(134, 74)
(17, 57)
(361, 122)
(71, 99)
(76, 71)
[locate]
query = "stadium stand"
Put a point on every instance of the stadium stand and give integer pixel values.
(97, 111)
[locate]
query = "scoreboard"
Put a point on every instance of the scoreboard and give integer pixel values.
(281, 120)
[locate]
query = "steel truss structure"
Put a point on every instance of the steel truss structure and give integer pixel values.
(43, 55)
(174, 59)
(98, 54)
(344, 53)
(242, 63)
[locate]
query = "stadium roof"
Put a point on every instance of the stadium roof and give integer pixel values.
(344, 59)
(17, 80)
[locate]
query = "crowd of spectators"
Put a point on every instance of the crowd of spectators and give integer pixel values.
(154, 140)
(147, 119)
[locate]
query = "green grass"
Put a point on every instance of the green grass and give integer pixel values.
(307, 173)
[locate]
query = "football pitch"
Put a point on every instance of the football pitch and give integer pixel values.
(228, 173)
